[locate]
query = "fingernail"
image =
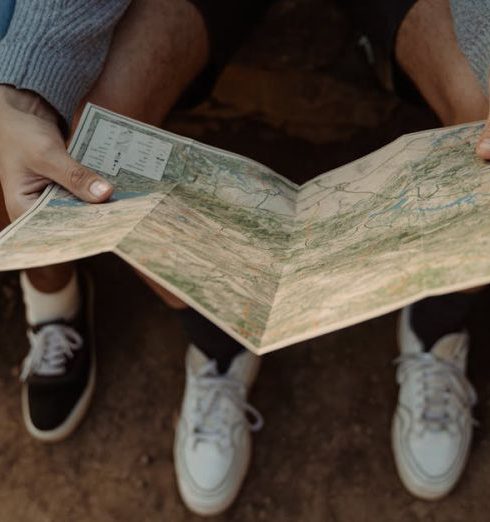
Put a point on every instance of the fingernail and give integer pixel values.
(99, 188)
(484, 145)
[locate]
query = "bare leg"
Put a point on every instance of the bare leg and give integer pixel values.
(428, 52)
(159, 48)
(434, 328)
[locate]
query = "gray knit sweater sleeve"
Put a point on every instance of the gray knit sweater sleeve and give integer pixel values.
(472, 26)
(57, 48)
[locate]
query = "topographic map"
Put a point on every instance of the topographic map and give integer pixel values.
(269, 261)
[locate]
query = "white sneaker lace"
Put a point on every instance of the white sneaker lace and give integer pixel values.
(211, 423)
(49, 349)
(443, 388)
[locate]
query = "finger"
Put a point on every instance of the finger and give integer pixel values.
(483, 145)
(16, 201)
(17, 205)
(78, 179)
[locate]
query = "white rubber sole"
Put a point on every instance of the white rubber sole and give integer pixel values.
(71, 423)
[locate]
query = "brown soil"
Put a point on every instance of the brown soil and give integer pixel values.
(300, 98)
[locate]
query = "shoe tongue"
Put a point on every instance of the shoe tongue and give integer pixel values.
(58, 322)
(452, 348)
(196, 358)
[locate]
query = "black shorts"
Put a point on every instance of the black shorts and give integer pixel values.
(379, 21)
(229, 21)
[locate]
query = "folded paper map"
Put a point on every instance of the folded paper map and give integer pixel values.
(271, 262)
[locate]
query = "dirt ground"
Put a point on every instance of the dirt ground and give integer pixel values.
(299, 97)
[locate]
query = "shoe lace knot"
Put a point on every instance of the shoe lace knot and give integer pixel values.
(442, 386)
(50, 348)
(217, 396)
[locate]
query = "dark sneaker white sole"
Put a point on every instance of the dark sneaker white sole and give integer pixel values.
(78, 412)
(71, 423)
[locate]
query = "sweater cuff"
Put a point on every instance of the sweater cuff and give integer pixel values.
(472, 27)
(477, 51)
(61, 81)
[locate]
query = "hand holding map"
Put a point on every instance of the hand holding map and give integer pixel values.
(33, 154)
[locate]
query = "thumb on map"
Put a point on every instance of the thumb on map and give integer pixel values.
(79, 180)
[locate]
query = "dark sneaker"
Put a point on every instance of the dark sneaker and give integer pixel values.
(59, 373)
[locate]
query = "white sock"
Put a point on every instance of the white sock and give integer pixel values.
(42, 307)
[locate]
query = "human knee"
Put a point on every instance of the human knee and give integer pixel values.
(428, 51)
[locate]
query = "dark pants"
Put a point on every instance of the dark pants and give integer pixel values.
(6, 11)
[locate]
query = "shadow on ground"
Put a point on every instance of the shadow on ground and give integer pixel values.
(300, 98)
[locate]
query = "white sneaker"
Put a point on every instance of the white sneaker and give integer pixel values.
(432, 426)
(212, 443)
